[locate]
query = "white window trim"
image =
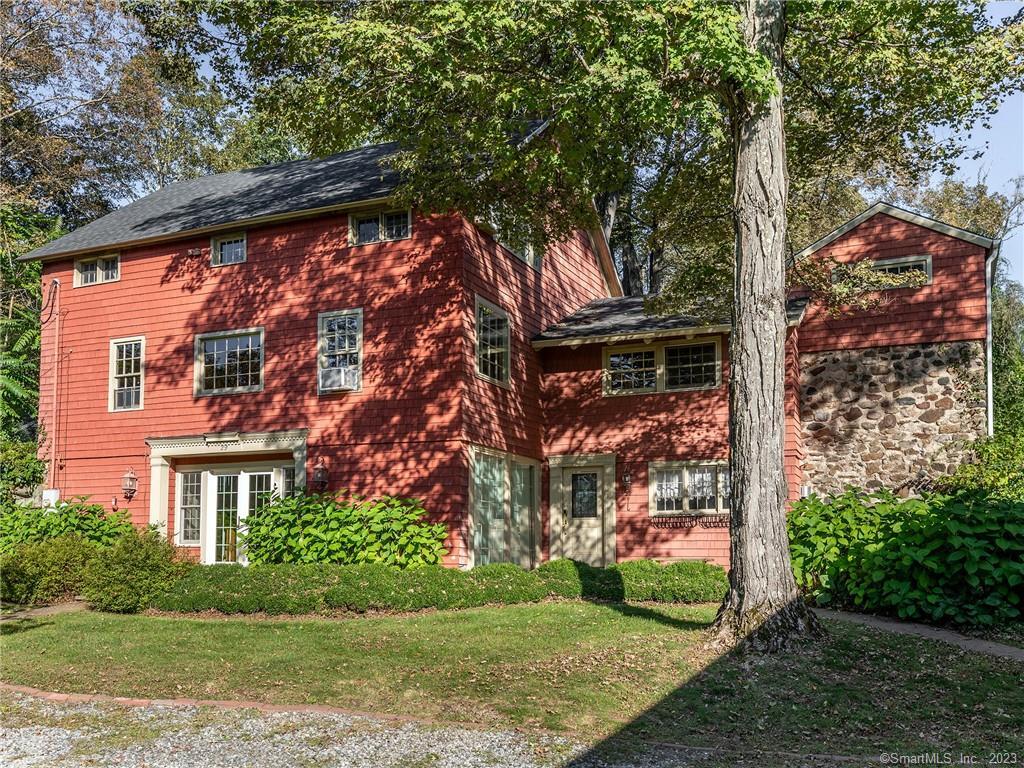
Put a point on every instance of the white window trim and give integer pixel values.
(197, 362)
(902, 260)
(179, 539)
(661, 373)
(353, 233)
(652, 487)
(112, 370)
(100, 280)
(482, 302)
(321, 347)
(215, 242)
(510, 460)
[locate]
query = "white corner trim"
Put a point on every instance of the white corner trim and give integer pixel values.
(903, 215)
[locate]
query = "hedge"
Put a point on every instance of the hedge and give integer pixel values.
(955, 559)
(43, 572)
(298, 589)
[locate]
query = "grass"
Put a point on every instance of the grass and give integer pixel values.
(637, 674)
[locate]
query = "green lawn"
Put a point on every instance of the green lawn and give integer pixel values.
(588, 670)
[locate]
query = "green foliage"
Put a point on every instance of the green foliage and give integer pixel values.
(998, 469)
(841, 287)
(941, 558)
(296, 589)
(20, 470)
(127, 576)
(19, 523)
(322, 528)
(47, 571)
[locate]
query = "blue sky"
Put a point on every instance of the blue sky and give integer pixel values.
(1003, 147)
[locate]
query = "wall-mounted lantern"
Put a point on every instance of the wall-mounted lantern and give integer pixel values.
(129, 484)
(627, 480)
(319, 481)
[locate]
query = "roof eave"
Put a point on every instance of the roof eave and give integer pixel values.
(903, 215)
(197, 232)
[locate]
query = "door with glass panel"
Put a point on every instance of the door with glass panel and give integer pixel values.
(232, 497)
(583, 514)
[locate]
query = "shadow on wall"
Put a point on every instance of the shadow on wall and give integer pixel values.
(844, 700)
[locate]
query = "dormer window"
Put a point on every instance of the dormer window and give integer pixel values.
(379, 226)
(102, 269)
(227, 249)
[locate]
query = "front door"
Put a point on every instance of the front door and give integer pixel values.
(232, 497)
(583, 505)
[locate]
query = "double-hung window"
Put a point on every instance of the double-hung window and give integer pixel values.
(665, 367)
(227, 249)
(101, 269)
(492, 342)
(377, 226)
(681, 488)
(127, 373)
(229, 361)
(340, 351)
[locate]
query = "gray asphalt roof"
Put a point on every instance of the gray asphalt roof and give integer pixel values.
(225, 198)
(625, 316)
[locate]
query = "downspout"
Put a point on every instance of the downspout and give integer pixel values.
(56, 378)
(990, 269)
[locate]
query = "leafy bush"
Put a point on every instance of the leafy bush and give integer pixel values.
(293, 589)
(941, 558)
(21, 524)
(42, 572)
(320, 528)
(998, 469)
(127, 576)
(20, 470)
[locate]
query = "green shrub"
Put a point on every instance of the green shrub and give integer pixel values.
(998, 469)
(293, 589)
(42, 572)
(21, 524)
(20, 470)
(320, 528)
(127, 576)
(940, 558)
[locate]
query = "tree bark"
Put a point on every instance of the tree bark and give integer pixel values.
(762, 609)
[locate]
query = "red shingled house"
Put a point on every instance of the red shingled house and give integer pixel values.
(252, 331)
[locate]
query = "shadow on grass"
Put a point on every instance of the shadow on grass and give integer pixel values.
(846, 699)
(13, 625)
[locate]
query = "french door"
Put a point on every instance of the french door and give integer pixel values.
(231, 496)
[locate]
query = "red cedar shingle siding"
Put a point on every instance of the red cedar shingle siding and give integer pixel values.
(952, 308)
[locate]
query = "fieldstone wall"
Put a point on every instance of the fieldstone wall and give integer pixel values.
(889, 416)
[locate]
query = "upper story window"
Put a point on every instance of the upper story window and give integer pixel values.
(492, 341)
(681, 488)
(228, 362)
(340, 351)
(667, 367)
(227, 249)
(380, 225)
(127, 364)
(101, 269)
(905, 264)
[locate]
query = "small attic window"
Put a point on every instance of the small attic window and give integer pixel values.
(380, 226)
(903, 265)
(102, 269)
(227, 249)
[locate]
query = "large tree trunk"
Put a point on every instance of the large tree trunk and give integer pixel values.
(762, 608)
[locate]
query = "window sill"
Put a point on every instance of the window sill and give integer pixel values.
(497, 382)
(219, 392)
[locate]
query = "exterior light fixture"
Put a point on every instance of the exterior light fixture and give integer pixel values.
(319, 481)
(627, 480)
(129, 484)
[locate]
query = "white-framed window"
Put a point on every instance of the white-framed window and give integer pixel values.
(377, 226)
(229, 361)
(493, 339)
(127, 373)
(96, 270)
(505, 503)
(227, 249)
(905, 264)
(688, 488)
(340, 351)
(669, 366)
(190, 508)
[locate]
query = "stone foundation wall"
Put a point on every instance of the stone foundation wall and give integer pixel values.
(888, 416)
